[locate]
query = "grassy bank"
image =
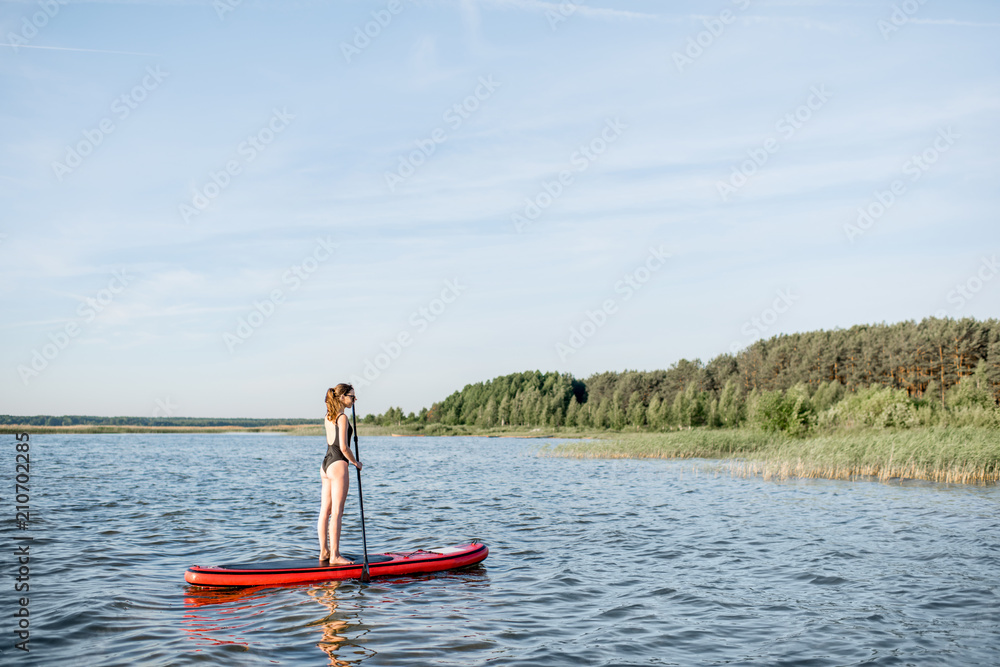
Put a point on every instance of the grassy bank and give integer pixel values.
(950, 454)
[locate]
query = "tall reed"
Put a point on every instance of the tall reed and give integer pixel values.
(948, 454)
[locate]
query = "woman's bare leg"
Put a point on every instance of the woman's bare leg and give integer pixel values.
(324, 515)
(340, 483)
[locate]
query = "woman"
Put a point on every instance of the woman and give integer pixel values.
(334, 473)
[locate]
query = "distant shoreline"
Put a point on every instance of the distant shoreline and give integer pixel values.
(289, 429)
(294, 429)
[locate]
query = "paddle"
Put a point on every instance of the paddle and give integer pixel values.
(365, 577)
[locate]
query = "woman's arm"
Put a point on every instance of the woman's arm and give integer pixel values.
(345, 446)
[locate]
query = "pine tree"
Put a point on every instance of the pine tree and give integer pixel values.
(973, 391)
(827, 394)
(503, 413)
(616, 416)
(714, 420)
(573, 413)
(636, 411)
(696, 403)
(654, 413)
(490, 413)
(681, 409)
(730, 405)
(516, 418)
(932, 392)
(600, 418)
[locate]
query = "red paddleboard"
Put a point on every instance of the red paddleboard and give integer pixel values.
(307, 570)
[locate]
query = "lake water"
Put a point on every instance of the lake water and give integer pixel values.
(592, 562)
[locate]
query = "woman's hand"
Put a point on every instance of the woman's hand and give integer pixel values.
(357, 464)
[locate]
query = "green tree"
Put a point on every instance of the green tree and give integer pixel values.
(933, 394)
(826, 395)
(681, 409)
(600, 418)
(697, 405)
(504, 411)
(616, 413)
(873, 406)
(489, 414)
(654, 413)
(730, 405)
(713, 419)
(667, 418)
(782, 411)
(573, 414)
(636, 411)
(972, 391)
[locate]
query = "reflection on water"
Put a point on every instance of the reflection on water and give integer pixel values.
(591, 562)
(237, 617)
(216, 617)
(331, 625)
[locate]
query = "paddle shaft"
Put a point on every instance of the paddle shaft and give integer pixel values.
(361, 500)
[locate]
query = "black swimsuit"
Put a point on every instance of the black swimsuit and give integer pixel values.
(333, 452)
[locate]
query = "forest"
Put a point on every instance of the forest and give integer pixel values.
(939, 371)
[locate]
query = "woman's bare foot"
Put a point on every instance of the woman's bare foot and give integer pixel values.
(340, 560)
(324, 555)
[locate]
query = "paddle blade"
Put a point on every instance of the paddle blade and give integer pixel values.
(365, 577)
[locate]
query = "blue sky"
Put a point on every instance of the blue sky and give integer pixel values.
(222, 209)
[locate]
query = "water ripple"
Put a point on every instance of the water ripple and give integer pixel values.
(592, 562)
